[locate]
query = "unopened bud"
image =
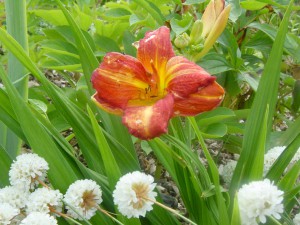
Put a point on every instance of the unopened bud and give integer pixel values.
(182, 40)
(196, 32)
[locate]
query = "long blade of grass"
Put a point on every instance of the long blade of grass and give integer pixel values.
(16, 23)
(266, 97)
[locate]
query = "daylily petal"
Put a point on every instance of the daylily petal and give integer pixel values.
(205, 99)
(185, 77)
(147, 122)
(118, 79)
(107, 106)
(210, 15)
(155, 49)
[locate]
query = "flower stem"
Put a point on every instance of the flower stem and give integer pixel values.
(109, 215)
(170, 210)
(43, 184)
(64, 216)
(274, 220)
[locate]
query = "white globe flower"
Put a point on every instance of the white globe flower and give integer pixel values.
(296, 219)
(272, 155)
(44, 200)
(226, 171)
(259, 199)
(131, 194)
(26, 169)
(7, 213)
(14, 196)
(38, 218)
(83, 196)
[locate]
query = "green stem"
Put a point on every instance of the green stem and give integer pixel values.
(110, 216)
(170, 210)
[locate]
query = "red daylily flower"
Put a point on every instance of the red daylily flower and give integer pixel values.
(149, 90)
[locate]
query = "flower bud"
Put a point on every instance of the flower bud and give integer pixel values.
(182, 40)
(196, 32)
(214, 21)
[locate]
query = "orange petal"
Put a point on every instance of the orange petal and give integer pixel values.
(118, 79)
(147, 122)
(185, 77)
(205, 99)
(155, 49)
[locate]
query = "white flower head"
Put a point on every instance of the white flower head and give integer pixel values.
(259, 199)
(14, 196)
(296, 219)
(226, 171)
(131, 194)
(26, 169)
(44, 200)
(272, 155)
(83, 196)
(7, 213)
(38, 218)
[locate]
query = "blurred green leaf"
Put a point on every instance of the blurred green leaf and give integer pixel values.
(180, 25)
(290, 45)
(296, 96)
(253, 5)
(217, 115)
(217, 130)
(215, 63)
(53, 16)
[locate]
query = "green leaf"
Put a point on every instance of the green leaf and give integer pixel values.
(217, 130)
(117, 13)
(290, 45)
(5, 162)
(193, 2)
(88, 60)
(217, 115)
(111, 167)
(236, 218)
(253, 5)
(215, 63)
(152, 10)
(145, 147)
(284, 159)
(289, 135)
(128, 40)
(287, 183)
(106, 44)
(53, 16)
(180, 25)
(296, 96)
